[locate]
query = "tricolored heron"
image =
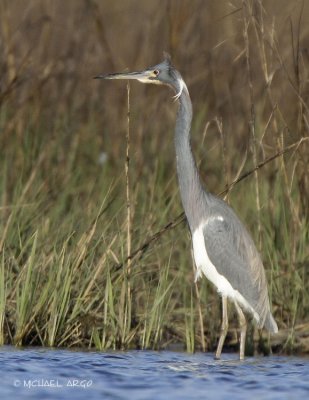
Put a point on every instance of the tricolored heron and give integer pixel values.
(223, 249)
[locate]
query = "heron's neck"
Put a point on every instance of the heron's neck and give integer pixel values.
(189, 181)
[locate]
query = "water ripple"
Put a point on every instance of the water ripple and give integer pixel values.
(62, 374)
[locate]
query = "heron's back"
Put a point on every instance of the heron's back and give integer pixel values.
(231, 250)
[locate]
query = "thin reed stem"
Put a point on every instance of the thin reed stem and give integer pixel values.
(127, 165)
(247, 21)
(129, 218)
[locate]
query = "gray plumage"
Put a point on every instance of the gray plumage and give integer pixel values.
(222, 247)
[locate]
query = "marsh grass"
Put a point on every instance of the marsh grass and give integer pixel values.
(93, 250)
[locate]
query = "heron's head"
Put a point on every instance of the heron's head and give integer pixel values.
(163, 73)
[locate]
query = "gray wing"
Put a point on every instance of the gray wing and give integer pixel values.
(233, 253)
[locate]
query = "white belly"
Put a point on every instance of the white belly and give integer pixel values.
(206, 267)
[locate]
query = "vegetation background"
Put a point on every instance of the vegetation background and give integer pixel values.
(93, 248)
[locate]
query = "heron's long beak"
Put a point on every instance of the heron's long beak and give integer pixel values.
(142, 76)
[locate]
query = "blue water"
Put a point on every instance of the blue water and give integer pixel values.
(32, 373)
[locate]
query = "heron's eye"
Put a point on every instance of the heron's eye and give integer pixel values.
(156, 72)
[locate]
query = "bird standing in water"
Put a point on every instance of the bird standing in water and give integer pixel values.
(223, 249)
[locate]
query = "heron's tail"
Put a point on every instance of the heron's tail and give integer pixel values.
(270, 324)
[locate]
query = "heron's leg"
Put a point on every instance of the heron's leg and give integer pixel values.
(243, 330)
(224, 327)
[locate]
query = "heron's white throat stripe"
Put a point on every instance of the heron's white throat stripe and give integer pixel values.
(182, 85)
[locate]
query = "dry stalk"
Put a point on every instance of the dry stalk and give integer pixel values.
(252, 114)
(127, 305)
(219, 124)
(128, 200)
